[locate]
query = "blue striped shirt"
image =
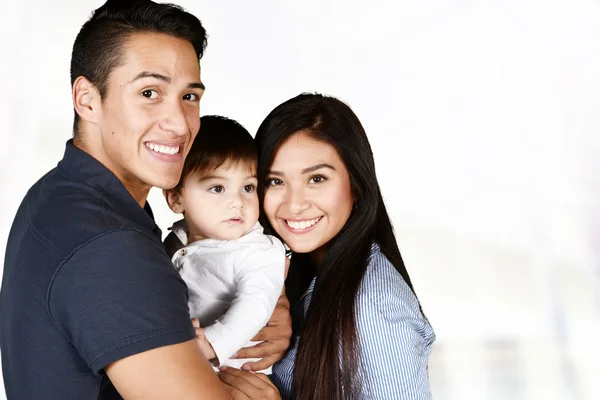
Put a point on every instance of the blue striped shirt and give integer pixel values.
(395, 340)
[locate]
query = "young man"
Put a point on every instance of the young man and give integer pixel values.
(90, 303)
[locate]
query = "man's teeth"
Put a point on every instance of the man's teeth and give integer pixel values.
(302, 224)
(163, 149)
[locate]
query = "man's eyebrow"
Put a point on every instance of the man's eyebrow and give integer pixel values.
(164, 78)
(317, 167)
(147, 74)
(196, 85)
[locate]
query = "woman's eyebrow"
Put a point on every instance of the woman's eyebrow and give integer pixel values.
(305, 170)
(317, 167)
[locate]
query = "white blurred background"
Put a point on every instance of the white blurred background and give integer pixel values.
(482, 117)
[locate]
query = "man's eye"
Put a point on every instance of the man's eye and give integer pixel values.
(249, 188)
(191, 97)
(150, 94)
(217, 189)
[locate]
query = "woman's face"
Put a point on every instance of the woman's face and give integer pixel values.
(308, 197)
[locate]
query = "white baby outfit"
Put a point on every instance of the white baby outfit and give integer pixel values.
(233, 287)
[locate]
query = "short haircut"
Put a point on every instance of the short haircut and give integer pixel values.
(99, 46)
(220, 142)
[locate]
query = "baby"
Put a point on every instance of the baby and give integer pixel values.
(234, 272)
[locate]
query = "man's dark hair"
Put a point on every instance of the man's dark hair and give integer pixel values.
(220, 142)
(98, 48)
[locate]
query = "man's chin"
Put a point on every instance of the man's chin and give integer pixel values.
(165, 185)
(164, 182)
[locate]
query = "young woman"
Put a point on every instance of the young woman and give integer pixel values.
(359, 331)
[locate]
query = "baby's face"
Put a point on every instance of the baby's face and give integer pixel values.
(222, 203)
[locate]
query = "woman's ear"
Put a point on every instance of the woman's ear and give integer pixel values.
(173, 198)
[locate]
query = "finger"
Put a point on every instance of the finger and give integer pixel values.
(264, 349)
(234, 393)
(274, 332)
(257, 351)
(247, 378)
(244, 381)
(263, 363)
(196, 322)
(266, 379)
(199, 332)
(279, 335)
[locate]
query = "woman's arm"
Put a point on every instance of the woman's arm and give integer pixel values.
(395, 342)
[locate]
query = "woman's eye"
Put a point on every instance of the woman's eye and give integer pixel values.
(150, 94)
(191, 97)
(249, 188)
(274, 182)
(317, 179)
(217, 189)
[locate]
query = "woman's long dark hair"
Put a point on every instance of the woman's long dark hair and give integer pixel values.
(321, 372)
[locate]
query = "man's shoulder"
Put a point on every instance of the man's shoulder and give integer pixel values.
(66, 214)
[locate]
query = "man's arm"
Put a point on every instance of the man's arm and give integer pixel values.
(177, 371)
(119, 301)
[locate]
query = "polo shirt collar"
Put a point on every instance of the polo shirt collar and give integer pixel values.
(81, 167)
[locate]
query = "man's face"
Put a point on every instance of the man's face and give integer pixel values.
(151, 112)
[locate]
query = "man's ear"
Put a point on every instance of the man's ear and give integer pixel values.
(173, 198)
(86, 100)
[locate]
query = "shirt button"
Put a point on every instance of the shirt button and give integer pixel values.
(183, 252)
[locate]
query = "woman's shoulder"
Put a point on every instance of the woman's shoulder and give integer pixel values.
(387, 307)
(384, 289)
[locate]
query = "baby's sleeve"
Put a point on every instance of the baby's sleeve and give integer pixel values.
(259, 281)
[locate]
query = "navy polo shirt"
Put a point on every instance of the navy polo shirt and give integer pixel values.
(86, 282)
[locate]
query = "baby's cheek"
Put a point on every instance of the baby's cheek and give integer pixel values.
(254, 212)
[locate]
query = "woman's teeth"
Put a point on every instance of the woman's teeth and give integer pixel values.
(302, 224)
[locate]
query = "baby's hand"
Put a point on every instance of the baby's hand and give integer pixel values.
(203, 343)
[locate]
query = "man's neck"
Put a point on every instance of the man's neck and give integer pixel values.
(138, 190)
(139, 194)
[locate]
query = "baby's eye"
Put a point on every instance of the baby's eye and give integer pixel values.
(217, 189)
(249, 188)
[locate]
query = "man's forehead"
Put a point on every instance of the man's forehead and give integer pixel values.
(148, 54)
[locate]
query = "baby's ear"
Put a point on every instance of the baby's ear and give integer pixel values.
(173, 198)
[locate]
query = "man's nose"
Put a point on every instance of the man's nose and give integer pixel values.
(174, 120)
